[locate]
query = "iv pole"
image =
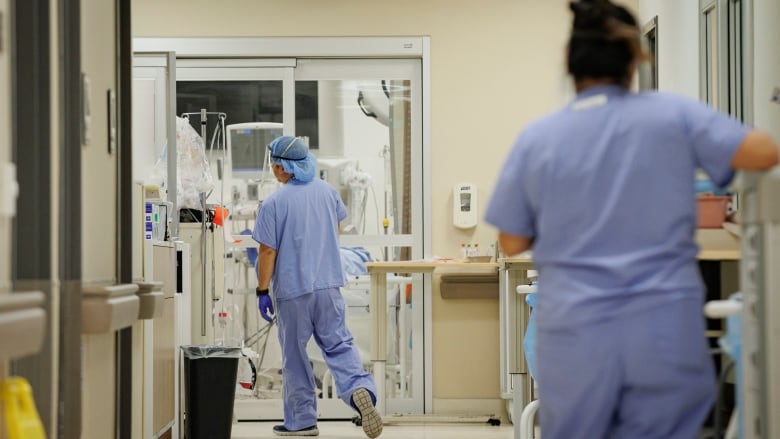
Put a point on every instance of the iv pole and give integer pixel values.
(203, 126)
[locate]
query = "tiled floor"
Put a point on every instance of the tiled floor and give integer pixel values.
(346, 430)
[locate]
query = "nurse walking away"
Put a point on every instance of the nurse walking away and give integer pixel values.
(603, 190)
(297, 228)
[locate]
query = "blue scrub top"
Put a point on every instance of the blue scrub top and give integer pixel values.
(300, 221)
(605, 187)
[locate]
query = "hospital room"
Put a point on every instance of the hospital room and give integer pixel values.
(514, 219)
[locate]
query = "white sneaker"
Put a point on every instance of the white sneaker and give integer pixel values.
(372, 422)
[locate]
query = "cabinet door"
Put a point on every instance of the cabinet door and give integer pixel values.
(164, 349)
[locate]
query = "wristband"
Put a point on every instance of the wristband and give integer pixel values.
(260, 292)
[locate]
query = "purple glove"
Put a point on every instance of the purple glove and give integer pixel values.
(266, 306)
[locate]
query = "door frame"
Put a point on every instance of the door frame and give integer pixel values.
(417, 47)
(36, 88)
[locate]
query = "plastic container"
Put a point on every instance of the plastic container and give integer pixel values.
(209, 390)
(711, 211)
(707, 187)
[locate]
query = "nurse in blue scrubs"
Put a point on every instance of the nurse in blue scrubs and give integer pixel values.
(603, 192)
(297, 228)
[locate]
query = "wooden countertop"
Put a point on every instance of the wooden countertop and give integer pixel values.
(430, 267)
(715, 245)
(719, 244)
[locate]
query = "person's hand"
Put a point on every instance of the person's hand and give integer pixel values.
(266, 307)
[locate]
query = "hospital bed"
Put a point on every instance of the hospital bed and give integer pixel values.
(259, 375)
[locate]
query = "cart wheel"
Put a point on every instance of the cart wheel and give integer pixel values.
(494, 422)
(357, 420)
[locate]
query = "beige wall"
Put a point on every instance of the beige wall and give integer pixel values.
(495, 65)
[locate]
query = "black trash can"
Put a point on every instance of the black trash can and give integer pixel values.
(209, 390)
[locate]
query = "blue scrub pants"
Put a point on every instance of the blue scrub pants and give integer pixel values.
(644, 375)
(320, 314)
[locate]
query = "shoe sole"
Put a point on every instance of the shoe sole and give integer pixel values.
(314, 432)
(372, 422)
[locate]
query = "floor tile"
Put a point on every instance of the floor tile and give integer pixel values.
(347, 430)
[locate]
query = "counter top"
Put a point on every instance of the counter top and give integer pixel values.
(430, 267)
(719, 244)
(716, 245)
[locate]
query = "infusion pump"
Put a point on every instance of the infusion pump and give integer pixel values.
(464, 204)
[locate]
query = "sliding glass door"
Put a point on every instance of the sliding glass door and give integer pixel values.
(362, 119)
(368, 142)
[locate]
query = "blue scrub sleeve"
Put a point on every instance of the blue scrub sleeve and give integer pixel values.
(715, 138)
(510, 208)
(265, 226)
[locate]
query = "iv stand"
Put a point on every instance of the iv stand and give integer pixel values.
(203, 126)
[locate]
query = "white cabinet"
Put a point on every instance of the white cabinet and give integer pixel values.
(207, 282)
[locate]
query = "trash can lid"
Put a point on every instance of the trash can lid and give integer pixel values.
(211, 351)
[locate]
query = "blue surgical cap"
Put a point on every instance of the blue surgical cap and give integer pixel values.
(294, 156)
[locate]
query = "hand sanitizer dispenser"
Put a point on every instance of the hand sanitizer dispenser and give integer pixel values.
(464, 203)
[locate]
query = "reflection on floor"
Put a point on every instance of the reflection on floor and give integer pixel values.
(346, 430)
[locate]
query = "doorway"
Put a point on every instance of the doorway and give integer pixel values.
(362, 118)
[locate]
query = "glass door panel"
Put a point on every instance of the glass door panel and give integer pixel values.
(246, 95)
(368, 146)
(242, 101)
(362, 119)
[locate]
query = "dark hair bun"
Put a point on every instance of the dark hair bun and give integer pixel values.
(604, 41)
(591, 15)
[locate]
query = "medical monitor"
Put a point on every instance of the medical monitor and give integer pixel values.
(247, 144)
(332, 171)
